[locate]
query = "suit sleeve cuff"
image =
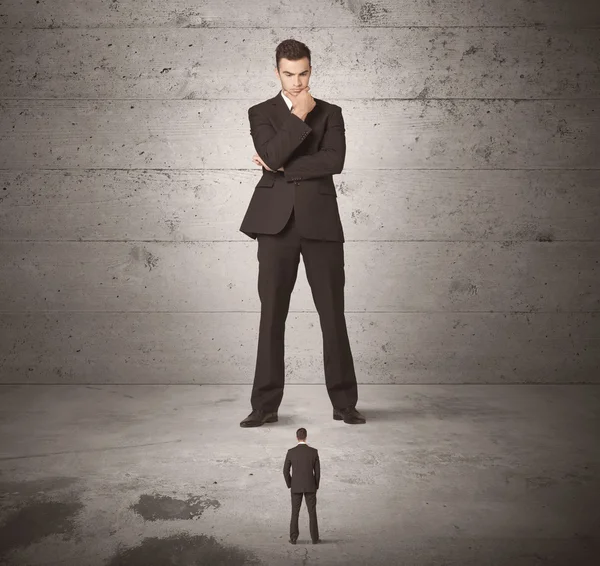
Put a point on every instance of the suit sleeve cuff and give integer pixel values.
(303, 129)
(288, 172)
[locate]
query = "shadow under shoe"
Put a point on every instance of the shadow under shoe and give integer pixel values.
(349, 415)
(259, 417)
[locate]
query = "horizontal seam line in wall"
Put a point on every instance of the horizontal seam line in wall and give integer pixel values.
(291, 311)
(417, 26)
(319, 384)
(39, 169)
(245, 241)
(250, 100)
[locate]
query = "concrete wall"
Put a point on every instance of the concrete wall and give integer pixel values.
(470, 197)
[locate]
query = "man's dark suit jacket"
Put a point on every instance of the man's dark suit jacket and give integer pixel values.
(310, 152)
(303, 459)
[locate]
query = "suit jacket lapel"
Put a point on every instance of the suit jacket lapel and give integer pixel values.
(280, 109)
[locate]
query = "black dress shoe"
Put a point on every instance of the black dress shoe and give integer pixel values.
(316, 541)
(349, 415)
(293, 540)
(259, 418)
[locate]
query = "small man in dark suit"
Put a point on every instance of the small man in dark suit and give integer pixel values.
(305, 480)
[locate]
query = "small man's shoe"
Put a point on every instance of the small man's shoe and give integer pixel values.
(293, 540)
(316, 541)
(259, 417)
(349, 415)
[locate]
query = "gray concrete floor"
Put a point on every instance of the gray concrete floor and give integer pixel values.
(163, 474)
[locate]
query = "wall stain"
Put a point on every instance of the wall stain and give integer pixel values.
(485, 151)
(463, 288)
(343, 188)
(424, 106)
(562, 129)
(173, 223)
(423, 94)
(198, 191)
(367, 12)
(149, 259)
(544, 236)
(471, 51)
(360, 217)
(498, 57)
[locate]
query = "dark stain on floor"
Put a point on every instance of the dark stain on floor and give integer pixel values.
(36, 520)
(165, 508)
(183, 550)
(33, 487)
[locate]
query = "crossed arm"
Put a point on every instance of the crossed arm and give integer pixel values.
(274, 149)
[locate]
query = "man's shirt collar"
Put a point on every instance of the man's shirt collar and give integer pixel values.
(287, 100)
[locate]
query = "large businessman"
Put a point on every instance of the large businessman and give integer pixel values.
(300, 144)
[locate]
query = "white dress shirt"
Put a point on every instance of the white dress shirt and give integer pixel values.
(287, 100)
(301, 442)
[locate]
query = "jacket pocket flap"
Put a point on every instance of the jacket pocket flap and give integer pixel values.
(266, 181)
(326, 187)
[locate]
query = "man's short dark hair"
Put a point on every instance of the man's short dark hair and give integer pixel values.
(301, 434)
(292, 50)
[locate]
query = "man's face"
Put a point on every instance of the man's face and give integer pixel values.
(294, 75)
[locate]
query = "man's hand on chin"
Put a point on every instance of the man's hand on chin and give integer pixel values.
(256, 159)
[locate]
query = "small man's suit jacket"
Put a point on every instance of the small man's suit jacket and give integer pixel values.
(306, 468)
(311, 152)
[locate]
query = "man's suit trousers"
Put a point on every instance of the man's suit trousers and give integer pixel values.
(278, 258)
(311, 505)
